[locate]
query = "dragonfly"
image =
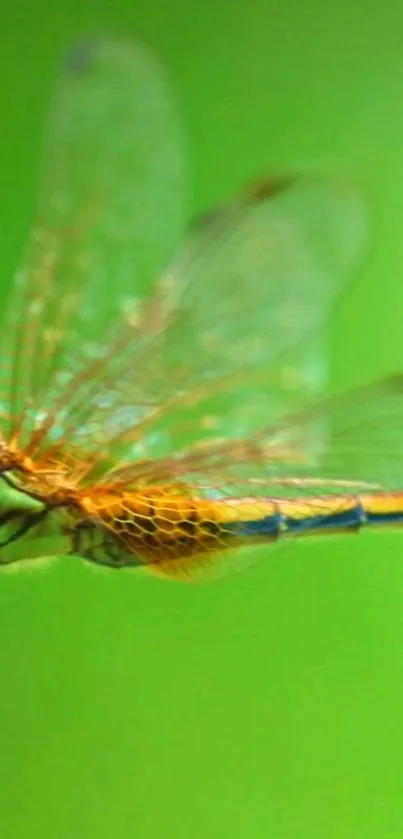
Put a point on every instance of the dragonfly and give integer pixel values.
(162, 384)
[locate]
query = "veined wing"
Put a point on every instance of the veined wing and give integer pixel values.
(231, 333)
(113, 354)
(234, 335)
(360, 448)
(255, 477)
(109, 217)
(364, 433)
(359, 470)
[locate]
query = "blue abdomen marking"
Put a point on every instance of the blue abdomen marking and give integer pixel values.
(384, 518)
(350, 519)
(268, 526)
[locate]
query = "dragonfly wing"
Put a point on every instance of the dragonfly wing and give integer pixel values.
(109, 356)
(240, 318)
(232, 332)
(363, 457)
(109, 218)
(254, 291)
(364, 432)
(360, 448)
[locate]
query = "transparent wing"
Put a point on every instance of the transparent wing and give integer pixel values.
(344, 444)
(360, 456)
(109, 218)
(363, 433)
(109, 355)
(363, 455)
(228, 337)
(250, 297)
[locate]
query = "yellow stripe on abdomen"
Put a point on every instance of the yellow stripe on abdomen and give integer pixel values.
(304, 516)
(180, 536)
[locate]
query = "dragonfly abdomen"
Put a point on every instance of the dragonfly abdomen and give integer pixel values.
(158, 525)
(187, 537)
(304, 517)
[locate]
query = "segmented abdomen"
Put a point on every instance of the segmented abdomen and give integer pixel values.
(175, 534)
(157, 527)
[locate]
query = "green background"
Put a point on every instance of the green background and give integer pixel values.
(268, 705)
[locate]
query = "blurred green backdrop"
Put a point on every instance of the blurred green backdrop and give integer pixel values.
(268, 705)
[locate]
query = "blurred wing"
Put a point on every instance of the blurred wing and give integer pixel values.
(114, 359)
(364, 434)
(109, 218)
(236, 337)
(230, 335)
(250, 296)
(360, 449)
(363, 455)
